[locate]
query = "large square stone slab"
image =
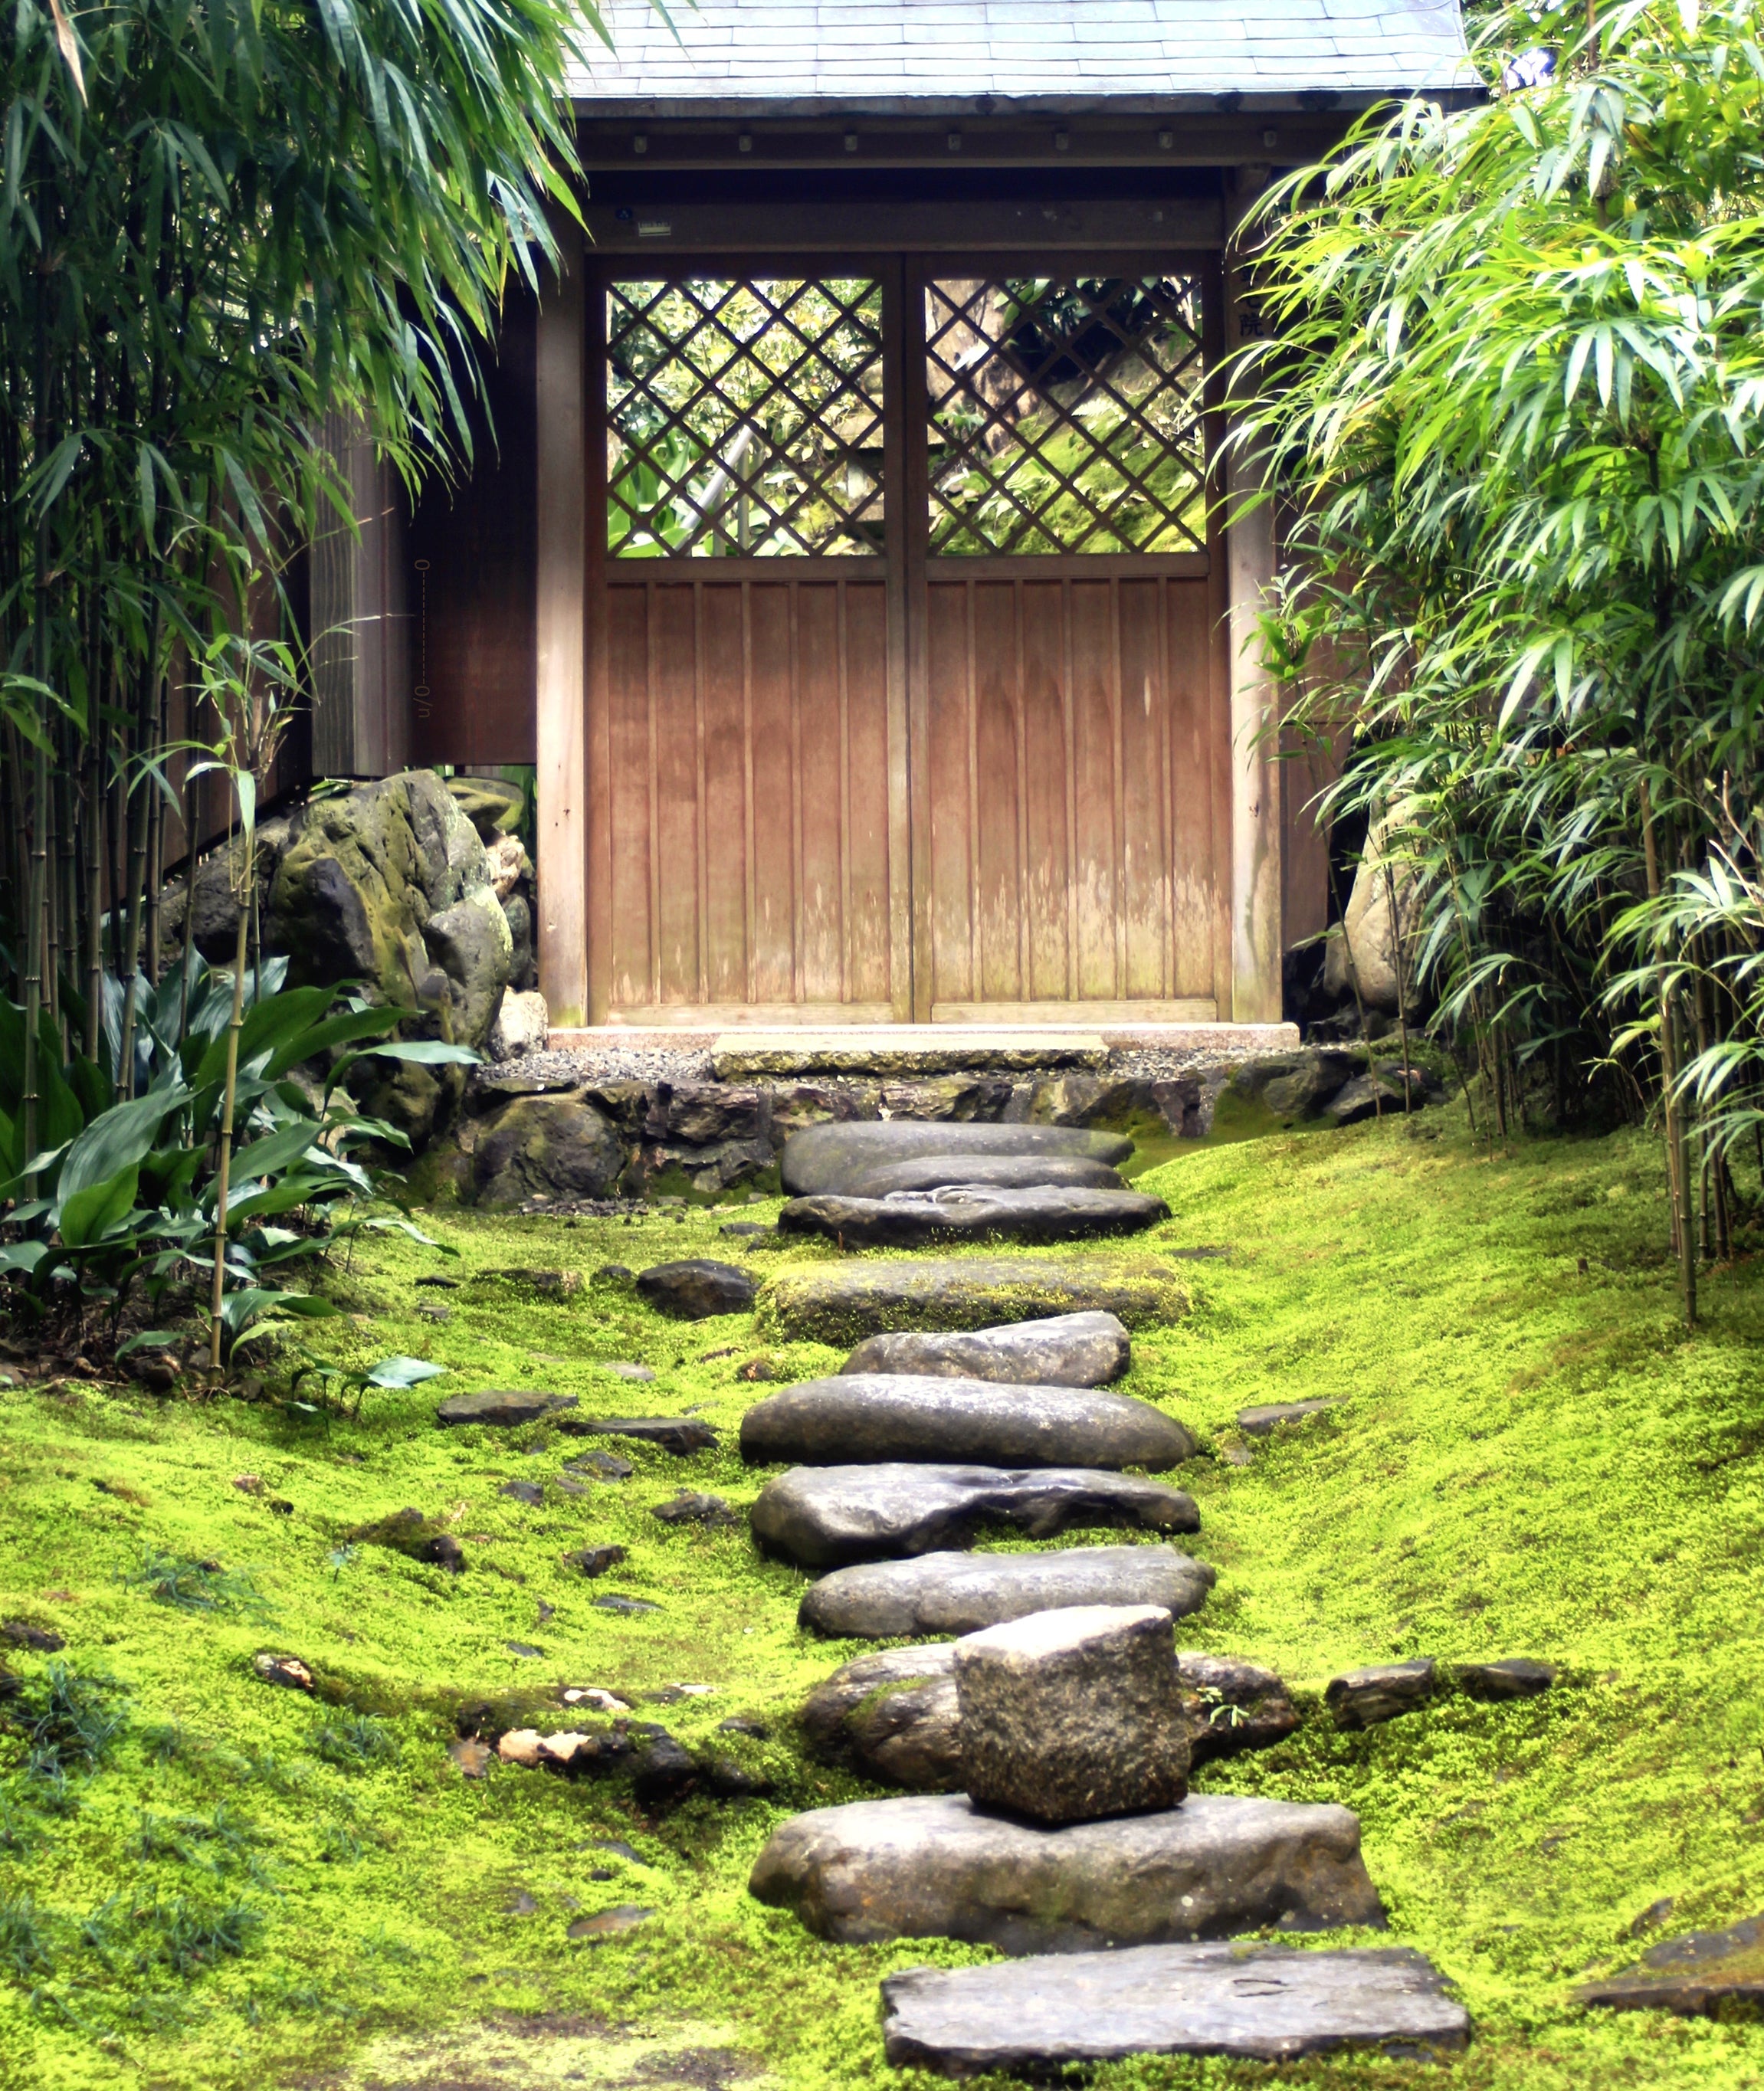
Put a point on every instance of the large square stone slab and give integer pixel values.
(840, 1302)
(958, 1594)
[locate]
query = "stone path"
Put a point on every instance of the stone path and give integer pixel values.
(975, 1399)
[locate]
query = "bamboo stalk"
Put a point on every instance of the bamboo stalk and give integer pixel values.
(1677, 1147)
(224, 1164)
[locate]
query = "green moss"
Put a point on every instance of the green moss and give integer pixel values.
(1530, 1457)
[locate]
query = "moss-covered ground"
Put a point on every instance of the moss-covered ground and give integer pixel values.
(1529, 1457)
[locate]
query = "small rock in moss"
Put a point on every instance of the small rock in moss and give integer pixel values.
(595, 1560)
(690, 1508)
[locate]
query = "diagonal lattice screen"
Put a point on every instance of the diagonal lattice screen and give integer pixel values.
(744, 417)
(1065, 414)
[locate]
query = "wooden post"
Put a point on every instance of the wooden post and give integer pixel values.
(562, 623)
(1256, 798)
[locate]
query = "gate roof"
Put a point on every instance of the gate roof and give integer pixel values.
(803, 57)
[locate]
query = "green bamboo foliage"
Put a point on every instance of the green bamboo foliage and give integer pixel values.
(1514, 401)
(217, 224)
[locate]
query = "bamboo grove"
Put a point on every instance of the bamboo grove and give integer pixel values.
(218, 225)
(1512, 403)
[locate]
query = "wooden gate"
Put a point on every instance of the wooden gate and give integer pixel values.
(905, 691)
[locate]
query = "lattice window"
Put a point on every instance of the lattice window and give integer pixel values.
(744, 417)
(1065, 414)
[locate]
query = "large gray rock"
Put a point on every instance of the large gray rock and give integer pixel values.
(696, 1288)
(1508, 1677)
(1362, 1698)
(887, 1416)
(839, 1302)
(1070, 1716)
(1064, 1350)
(961, 1212)
(826, 1157)
(1231, 1705)
(389, 884)
(935, 1866)
(1264, 2004)
(893, 1716)
(999, 1172)
(550, 1146)
(823, 1517)
(1701, 1974)
(1375, 945)
(957, 1593)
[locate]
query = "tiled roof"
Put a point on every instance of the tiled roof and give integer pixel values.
(741, 57)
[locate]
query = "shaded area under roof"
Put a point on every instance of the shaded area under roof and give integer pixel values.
(941, 57)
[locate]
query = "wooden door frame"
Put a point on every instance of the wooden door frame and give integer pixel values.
(574, 840)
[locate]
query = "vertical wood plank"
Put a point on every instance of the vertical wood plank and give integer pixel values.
(749, 867)
(1069, 706)
(821, 737)
(1167, 797)
(843, 641)
(798, 925)
(873, 683)
(1020, 708)
(909, 529)
(600, 851)
(1117, 794)
(723, 879)
(1047, 890)
(971, 721)
(652, 987)
(561, 624)
(701, 800)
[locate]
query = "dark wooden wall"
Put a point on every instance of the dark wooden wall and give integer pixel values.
(472, 608)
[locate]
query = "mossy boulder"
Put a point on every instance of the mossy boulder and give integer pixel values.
(389, 884)
(545, 1146)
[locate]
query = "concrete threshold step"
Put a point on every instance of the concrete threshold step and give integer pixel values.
(741, 1051)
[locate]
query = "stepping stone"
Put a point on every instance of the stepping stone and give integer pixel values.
(1268, 2003)
(604, 1464)
(823, 1517)
(912, 1219)
(505, 1410)
(1512, 1677)
(1363, 1698)
(826, 1157)
(525, 1492)
(623, 1369)
(893, 1716)
(935, 1866)
(595, 1560)
(886, 1416)
(838, 1303)
(680, 1434)
(902, 1049)
(1070, 1716)
(1696, 1975)
(1065, 1350)
(958, 1594)
(997, 1172)
(1264, 1422)
(627, 1605)
(694, 1289)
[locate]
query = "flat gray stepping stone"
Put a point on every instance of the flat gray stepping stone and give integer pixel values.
(839, 1302)
(911, 1219)
(1064, 1350)
(887, 1416)
(825, 1157)
(1362, 1698)
(1695, 1975)
(1268, 2003)
(505, 1409)
(623, 1369)
(696, 1288)
(679, 1434)
(999, 1172)
(1264, 1422)
(934, 1866)
(823, 1517)
(958, 1594)
(892, 1716)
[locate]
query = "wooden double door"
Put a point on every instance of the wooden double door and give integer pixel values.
(906, 694)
